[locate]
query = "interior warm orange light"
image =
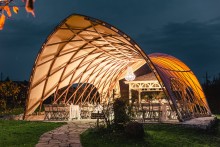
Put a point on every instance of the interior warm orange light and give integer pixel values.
(170, 68)
(87, 52)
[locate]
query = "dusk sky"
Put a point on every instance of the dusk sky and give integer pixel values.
(186, 29)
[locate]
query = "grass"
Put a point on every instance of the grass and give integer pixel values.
(23, 133)
(218, 116)
(165, 135)
(173, 135)
(91, 138)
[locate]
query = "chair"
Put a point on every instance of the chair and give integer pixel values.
(145, 109)
(47, 112)
(55, 112)
(60, 112)
(156, 111)
(66, 112)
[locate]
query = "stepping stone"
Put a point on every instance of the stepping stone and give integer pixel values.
(60, 136)
(64, 136)
(42, 145)
(64, 145)
(46, 136)
(75, 145)
(54, 141)
(74, 141)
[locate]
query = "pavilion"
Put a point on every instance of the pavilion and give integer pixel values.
(95, 55)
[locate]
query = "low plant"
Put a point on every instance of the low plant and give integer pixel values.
(120, 115)
(134, 130)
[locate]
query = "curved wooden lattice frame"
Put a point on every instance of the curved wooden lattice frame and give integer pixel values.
(182, 86)
(84, 50)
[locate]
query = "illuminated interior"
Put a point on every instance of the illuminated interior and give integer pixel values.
(86, 51)
(181, 85)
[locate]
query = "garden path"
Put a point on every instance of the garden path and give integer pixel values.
(65, 136)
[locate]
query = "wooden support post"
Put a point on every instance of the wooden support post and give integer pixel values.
(98, 121)
(41, 103)
(139, 96)
(130, 94)
(113, 95)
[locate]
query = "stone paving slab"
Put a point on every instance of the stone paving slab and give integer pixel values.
(200, 122)
(69, 135)
(65, 136)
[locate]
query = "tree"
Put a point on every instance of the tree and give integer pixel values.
(211, 89)
(120, 114)
(9, 92)
(7, 5)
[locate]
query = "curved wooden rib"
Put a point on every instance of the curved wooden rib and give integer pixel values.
(93, 54)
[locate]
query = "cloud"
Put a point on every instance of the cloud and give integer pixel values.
(23, 32)
(195, 43)
(20, 42)
(23, 36)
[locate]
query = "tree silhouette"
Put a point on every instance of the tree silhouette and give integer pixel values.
(212, 91)
(9, 92)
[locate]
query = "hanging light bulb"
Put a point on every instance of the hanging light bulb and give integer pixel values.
(130, 75)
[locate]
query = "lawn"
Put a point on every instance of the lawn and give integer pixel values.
(157, 135)
(218, 116)
(23, 133)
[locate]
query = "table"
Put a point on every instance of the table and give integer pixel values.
(56, 112)
(74, 112)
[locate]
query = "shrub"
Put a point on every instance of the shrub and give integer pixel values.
(134, 130)
(120, 115)
(101, 129)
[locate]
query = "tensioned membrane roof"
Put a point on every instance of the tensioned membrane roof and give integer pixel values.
(171, 69)
(86, 50)
(82, 50)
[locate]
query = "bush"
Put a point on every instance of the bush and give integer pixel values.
(101, 129)
(134, 130)
(120, 115)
